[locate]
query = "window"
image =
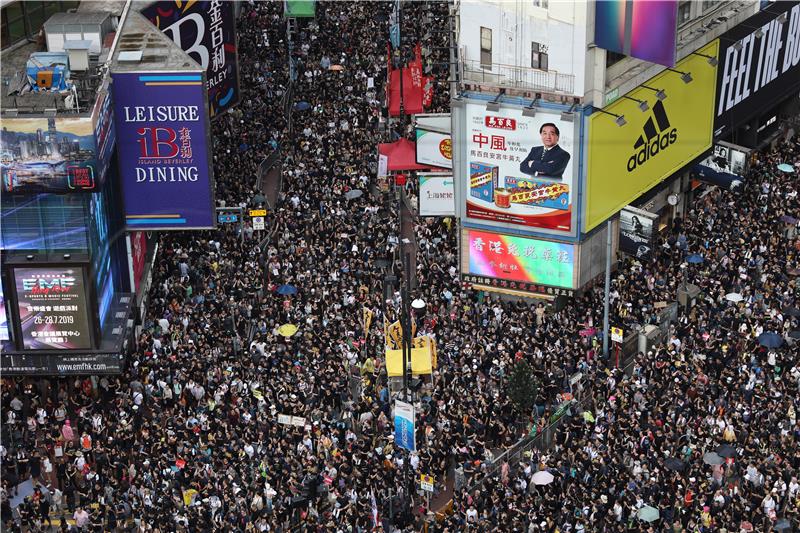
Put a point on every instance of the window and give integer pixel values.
(486, 47)
(538, 56)
(613, 57)
(684, 12)
(13, 22)
(709, 4)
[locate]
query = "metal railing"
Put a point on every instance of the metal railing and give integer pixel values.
(516, 77)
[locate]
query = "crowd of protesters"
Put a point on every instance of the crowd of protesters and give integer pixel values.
(189, 438)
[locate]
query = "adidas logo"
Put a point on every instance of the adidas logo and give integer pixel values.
(656, 137)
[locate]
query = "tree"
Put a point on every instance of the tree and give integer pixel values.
(521, 387)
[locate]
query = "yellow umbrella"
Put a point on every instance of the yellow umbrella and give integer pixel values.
(287, 330)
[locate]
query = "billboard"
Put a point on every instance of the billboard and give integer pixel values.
(625, 162)
(759, 65)
(48, 155)
(164, 150)
(521, 263)
(52, 307)
(206, 30)
(104, 134)
(436, 195)
(300, 8)
(434, 149)
(4, 333)
(644, 29)
(725, 167)
(637, 229)
(63, 364)
(404, 427)
(518, 170)
(137, 241)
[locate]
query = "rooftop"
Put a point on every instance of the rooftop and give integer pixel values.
(16, 94)
(143, 47)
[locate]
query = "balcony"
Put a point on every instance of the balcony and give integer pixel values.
(514, 77)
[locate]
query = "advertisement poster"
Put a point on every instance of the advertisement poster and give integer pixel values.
(4, 336)
(404, 426)
(164, 160)
(206, 30)
(625, 162)
(53, 308)
(138, 241)
(519, 169)
(48, 155)
(436, 195)
(644, 29)
(104, 134)
(636, 232)
(724, 167)
(524, 261)
(759, 65)
(434, 149)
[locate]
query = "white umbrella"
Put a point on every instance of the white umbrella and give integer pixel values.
(734, 297)
(542, 477)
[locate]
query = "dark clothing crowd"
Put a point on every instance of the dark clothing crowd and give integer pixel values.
(227, 420)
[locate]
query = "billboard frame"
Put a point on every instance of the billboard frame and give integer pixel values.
(80, 261)
(578, 153)
(209, 147)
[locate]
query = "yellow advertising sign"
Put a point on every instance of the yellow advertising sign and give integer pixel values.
(625, 162)
(258, 212)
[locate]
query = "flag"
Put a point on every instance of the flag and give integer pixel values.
(367, 318)
(376, 517)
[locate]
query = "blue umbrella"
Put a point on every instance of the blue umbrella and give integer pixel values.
(287, 289)
(301, 106)
(770, 340)
(785, 167)
(694, 259)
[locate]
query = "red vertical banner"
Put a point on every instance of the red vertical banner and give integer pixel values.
(138, 257)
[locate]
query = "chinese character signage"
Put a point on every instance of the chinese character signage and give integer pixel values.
(519, 170)
(48, 155)
(163, 149)
(52, 306)
(434, 149)
(517, 263)
(436, 196)
(205, 30)
(404, 426)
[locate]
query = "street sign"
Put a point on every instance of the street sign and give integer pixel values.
(426, 482)
(258, 212)
(258, 223)
(227, 218)
(617, 335)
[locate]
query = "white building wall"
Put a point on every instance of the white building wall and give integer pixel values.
(561, 27)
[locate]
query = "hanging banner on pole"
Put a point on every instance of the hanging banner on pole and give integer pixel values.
(404, 429)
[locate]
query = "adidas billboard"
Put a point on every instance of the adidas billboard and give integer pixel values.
(625, 162)
(656, 137)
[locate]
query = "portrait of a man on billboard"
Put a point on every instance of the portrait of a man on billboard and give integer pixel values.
(548, 160)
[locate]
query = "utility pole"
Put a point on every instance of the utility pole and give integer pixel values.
(607, 289)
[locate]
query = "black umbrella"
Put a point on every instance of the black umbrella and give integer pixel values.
(795, 334)
(791, 311)
(673, 463)
(726, 450)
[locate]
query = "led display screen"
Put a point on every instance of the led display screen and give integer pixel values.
(52, 306)
(520, 259)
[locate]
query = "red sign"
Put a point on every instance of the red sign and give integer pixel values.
(501, 123)
(138, 256)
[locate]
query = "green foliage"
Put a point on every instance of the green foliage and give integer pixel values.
(521, 387)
